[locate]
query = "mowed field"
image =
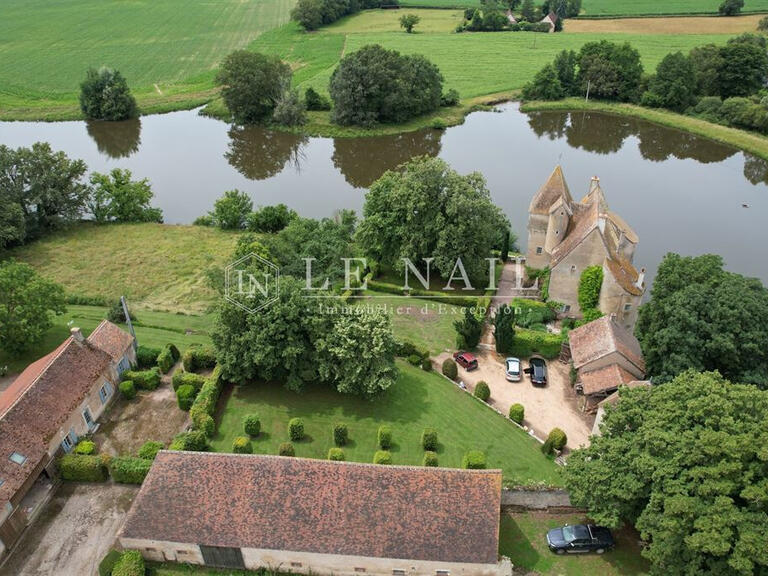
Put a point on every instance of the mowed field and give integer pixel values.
(657, 7)
(165, 48)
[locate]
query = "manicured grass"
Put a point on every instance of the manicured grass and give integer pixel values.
(153, 265)
(658, 7)
(167, 49)
(389, 21)
(171, 569)
(747, 141)
(675, 25)
(419, 399)
(522, 539)
(155, 329)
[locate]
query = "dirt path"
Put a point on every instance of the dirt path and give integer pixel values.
(73, 533)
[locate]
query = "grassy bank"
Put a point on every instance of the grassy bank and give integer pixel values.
(747, 141)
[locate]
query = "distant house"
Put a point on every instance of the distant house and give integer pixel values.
(613, 400)
(568, 236)
(317, 517)
(511, 17)
(551, 20)
(605, 355)
(44, 412)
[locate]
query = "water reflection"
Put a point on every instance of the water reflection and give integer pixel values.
(258, 153)
(755, 169)
(364, 160)
(115, 139)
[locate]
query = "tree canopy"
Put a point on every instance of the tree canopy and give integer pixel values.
(702, 317)
(104, 95)
(687, 464)
(118, 198)
(674, 84)
(610, 70)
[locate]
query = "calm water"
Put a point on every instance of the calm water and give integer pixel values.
(679, 192)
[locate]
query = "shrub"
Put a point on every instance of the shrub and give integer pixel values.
(192, 441)
(517, 413)
(426, 364)
(79, 468)
(430, 459)
(589, 287)
(289, 110)
(144, 379)
(384, 437)
(429, 439)
(206, 424)
(127, 389)
(185, 396)
(316, 101)
(336, 454)
(414, 360)
(181, 378)
(558, 438)
(340, 434)
(474, 460)
(296, 429)
(530, 312)
(129, 470)
(149, 450)
(438, 124)
(146, 357)
(242, 445)
(165, 360)
(205, 404)
(546, 448)
(104, 95)
(286, 449)
(85, 448)
(526, 343)
(544, 86)
(107, 563)
(450, 369)
(130, 564)
(482, 391)
(198, 358)
(450, 98)
(252, 425)
(270, 219)
(382, 457)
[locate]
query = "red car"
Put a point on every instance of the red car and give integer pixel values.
(465, 360)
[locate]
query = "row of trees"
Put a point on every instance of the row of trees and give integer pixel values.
(42, 190)
(311, 14)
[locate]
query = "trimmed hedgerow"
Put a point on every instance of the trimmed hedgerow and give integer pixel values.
(474, 460)
(517, 413)
(242, 445)
(429, 439)
(204, 405)
(129, 470)
(430, 459)
(296, 429)
(165, 360)
(384, 437)
(286, 449)
(79, 468)
(426, 364)
(130, 564)
(127, 389)
(198, 358)
(382, 457)
(340, 434)
(526, 343)
(107, 563)
(482, 391)
(185, 396)
(181, 378)
(146, 357)
(149, 450)
(252, 425)
(85, 448)
(414, 360)
(336, 454)
(192, 441)
(144, 379)
(450, 369)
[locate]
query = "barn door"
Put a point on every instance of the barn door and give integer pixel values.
(222, 557)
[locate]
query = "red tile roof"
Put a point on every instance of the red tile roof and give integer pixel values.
(303, 505)
(604, 379)
(111, 339)
(555, 187)
(602, 337)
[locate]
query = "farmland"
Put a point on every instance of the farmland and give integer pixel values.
(659, 7)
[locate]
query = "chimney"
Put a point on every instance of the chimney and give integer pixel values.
(613, 316)
(593, 183)
(640, 278)
(76, 334)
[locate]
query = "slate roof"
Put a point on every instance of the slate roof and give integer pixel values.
(319, 506)
(555, 187)
(111, 339)
(602, 337)
(604, 379)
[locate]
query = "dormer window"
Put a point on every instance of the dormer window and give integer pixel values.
(2, 481)
(18, 458)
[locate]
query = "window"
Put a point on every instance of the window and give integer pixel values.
(124, 365)
(627, 307)
(295, 564)
(398, 572)
(105, 392)
(442, 572)
(360, 570)
(539, 250)
(18, 458)
(88, 418)
(573, 269)
(566, 308)
(66, 444)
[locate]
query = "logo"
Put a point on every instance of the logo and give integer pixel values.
(251, 283)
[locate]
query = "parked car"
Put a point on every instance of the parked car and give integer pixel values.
(465, 360)
(537, 371)
(580, 539)
(513, 369)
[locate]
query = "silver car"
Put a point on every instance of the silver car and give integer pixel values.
(513, 369)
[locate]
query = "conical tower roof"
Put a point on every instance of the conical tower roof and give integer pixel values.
(553, 189)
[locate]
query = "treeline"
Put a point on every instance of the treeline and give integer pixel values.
(311, 14)
(495, 16)
(723, 84)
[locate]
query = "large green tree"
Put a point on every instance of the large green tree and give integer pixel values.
(611, 71)
(707, 62)
(104, 95)
(469, 330)
(544, 86)
(27, 302)
(674, 84)
(687, 463)
(744, 67)
(702, 317)
(427, 210)
(504, 328)
(118, 198)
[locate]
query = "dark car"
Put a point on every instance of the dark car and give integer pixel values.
(580, 539)
(465, 360)
(537, 371)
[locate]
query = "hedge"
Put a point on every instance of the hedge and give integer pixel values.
(517, 413)
(185, 396)
(79, 468)
(482, 391)
(130, 564)
(426, 364)
(146, 357)
(204, 405)
(242, 445)
(107, 563)
(85, 448)
(192, 441)
(165, 360)
(384, 437)
(531, 312)
(474, 460)
(336, 454)
(286, 449)
(149, 450)
(406, 349)
(252, 425)
(296, 429)
(429, 439)
(181, 378)
(466, 301)
(129, 470)
(414, 360)
(340, 434)
(127, 389)
(430, 459)
(144, 379)
(382, 457)
(450, 369)
(198, 358)
(526, 343)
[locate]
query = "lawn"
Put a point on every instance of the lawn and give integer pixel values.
(522, 538)
(165, 48)
(658, 7)
(152, 329)
(153, 265)
(418, 400)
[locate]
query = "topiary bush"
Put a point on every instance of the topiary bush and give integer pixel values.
(474, 460)
(517, 413)
(144, 379)
(149, 450)
(206, 424)
(252, 425)
(78, 468)
(165, 360)
(242, 445)
(205, 403)
(384, 437)
(414, 359)
(127, 389)
(296, 429)
(336, 454)
(85, 448)
(426, 364)
(192, 441)
(482, 391)
(450, 369)
(382, 457)
(129, 470)
(185, 396)
(429, 439)
(340, 434)
(146, 357)
(130, 564)
(198, 358)
(430, 459)
(181, 378)
(107, 563)
(558, 438)
(286, 449)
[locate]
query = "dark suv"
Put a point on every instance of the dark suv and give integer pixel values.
(537, 371)
(580, 539)
(465, 360)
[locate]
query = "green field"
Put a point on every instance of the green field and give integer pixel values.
(656, 7)
(418, 399)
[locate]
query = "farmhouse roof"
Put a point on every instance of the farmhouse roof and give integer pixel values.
(304, 505)
(554, 188)
(602, 337)
(111, 339)
(604, 379)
